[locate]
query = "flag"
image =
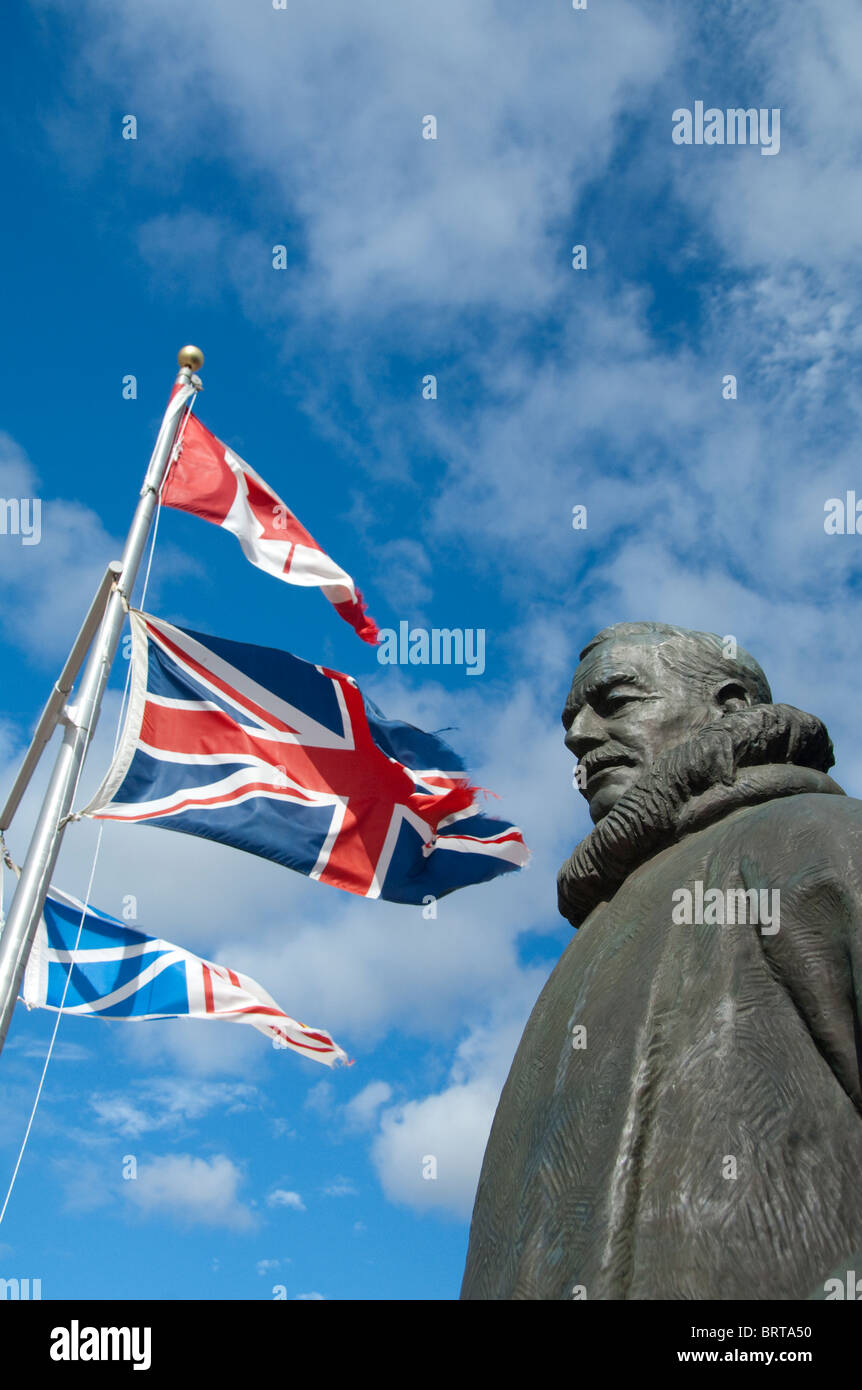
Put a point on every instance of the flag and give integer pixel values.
(260, 750)
(211, 481)
(118, 972)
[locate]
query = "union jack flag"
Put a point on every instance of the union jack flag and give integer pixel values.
(84, 962)
(257, 749)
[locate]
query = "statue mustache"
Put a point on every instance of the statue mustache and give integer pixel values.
(610, 755)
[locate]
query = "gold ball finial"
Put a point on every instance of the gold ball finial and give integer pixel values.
(190, 356)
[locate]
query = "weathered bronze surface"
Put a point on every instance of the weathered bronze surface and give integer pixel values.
(683, 1117)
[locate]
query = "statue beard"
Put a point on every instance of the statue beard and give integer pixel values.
(741, 759)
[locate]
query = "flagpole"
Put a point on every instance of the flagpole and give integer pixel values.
(80, 719)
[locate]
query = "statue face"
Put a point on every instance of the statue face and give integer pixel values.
(624, 710)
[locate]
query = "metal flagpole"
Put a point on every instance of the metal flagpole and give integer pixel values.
(80, 719)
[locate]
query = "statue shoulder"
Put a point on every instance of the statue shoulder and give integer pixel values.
(820, 822)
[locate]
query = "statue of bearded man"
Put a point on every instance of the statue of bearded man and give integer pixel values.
(683, 1118)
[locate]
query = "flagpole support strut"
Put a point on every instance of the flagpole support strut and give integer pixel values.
(56, 710)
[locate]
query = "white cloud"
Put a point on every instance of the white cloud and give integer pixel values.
(163, 1102)
(120, 1114)
(191, 1191)
(48, 587)
(62, 1052)
(361, 1111)
(340, 1187)
(448, 1131)
(782, 210)
(403, 575)
(428, 1152)
(389, 219)
(387, 222)
(282, 1198)
(320, 1099)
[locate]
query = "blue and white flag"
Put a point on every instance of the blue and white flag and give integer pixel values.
(120, 973)
(257, 749)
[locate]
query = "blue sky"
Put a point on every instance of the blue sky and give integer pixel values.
(603, 387)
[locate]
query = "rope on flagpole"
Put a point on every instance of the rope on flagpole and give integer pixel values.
(4, 855)
(10, 864)
(76, 816)
(50, 1052)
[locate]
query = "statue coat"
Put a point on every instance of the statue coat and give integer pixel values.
(706, 1143)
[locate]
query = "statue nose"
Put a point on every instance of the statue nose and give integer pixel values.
(585, 732)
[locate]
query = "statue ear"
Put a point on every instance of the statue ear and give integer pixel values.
(732, 697)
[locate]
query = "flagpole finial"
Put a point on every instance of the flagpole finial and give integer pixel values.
(190, 356)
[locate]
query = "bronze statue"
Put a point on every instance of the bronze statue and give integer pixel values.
(683, 1117)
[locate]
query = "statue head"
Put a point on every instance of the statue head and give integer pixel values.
(642, 688)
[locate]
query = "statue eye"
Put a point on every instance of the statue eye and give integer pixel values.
(614, 702)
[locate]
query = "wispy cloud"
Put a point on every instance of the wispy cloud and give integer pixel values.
(161, 1103)
(191, 1191)
(281, 1197)
(340, 1187)
(361, 1111)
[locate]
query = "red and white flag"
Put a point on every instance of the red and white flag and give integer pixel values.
(210, 480)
